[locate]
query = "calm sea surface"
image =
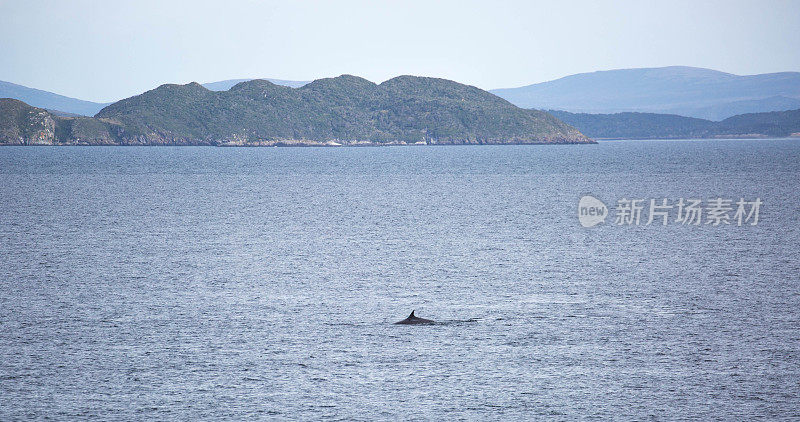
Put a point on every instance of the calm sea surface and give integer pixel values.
(261, 283)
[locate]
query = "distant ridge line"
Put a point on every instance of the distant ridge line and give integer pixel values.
(682, 90)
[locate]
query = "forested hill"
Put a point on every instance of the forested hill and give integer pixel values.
(664, 126)
(345, 109)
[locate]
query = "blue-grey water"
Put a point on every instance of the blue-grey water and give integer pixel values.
(261, 283)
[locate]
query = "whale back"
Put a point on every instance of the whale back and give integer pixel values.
(413, 319)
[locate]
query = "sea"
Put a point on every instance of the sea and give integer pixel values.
(202, 283)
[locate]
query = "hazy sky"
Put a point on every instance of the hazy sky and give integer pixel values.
(107, 50)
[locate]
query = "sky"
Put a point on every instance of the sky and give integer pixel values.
(108, 50)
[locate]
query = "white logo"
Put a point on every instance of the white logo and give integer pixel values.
(690, 212)
(591, 211)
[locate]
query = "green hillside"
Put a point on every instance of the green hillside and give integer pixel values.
(346, 109)
(21, 124)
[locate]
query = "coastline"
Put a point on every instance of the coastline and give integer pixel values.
(298, 144)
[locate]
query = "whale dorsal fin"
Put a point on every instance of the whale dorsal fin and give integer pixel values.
(412, 315)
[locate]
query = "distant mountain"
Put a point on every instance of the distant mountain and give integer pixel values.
(66, 106)
(345, 110)
(686, 91)
(228, 84)
(666, 126)
(49, 100)
(630, 125)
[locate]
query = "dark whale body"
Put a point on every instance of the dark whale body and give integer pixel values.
(411, 320)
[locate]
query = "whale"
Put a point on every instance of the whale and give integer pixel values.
(414, 320)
